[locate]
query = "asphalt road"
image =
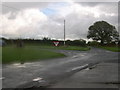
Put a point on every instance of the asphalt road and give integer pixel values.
(48, 72)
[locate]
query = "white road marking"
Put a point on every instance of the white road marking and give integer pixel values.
(2, 78)
(37, 79)
(82, 55)
(79, 67)
(87, 69)
(16, 64)
(75, 56)
(19, 65)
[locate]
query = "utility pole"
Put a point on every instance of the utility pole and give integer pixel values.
(64, 32)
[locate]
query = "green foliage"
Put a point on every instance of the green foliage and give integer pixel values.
(103, 31)
(45, 41)
(113, 48)
(66, 48)
(80, 42)
(33, 52)
(93, 43)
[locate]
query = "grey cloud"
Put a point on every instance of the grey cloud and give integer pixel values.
(93, 4)
(96, 0)
(17, 6)
(76, 24)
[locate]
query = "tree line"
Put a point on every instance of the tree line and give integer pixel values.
(101, 32)
(44, 41)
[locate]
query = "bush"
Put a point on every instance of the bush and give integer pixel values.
(76, 42)
(93, 43)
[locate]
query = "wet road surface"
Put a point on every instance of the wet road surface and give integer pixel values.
(53, 70)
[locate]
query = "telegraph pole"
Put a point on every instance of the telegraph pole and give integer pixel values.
(64, 32)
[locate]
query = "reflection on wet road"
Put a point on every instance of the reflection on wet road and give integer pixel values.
(53, 70)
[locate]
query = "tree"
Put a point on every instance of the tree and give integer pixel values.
(93, 43)
(80, 42)
(103, 32)
(46, 39)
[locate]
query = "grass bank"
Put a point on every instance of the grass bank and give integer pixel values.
(67, 48)
(112, 48)
(30, 52)
(12, 54)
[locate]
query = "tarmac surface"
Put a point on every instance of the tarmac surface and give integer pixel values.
(56, 72)
(103, 75)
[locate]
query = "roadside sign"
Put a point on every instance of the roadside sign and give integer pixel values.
(56, 43)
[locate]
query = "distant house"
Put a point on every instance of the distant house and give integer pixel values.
(2, 42)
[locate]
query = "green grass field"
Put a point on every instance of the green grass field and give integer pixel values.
(30, 53)
(114, 49)
(67, 48)
(13, 54)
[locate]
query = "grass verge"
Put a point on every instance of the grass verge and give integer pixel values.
(67, 48)
(12, 54)
(114, 48)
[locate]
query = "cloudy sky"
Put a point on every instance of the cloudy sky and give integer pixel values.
(45, 19)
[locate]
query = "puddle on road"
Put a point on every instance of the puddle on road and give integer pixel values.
(25, 65)
(91, 67)
(19, 65)
(75, 56)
